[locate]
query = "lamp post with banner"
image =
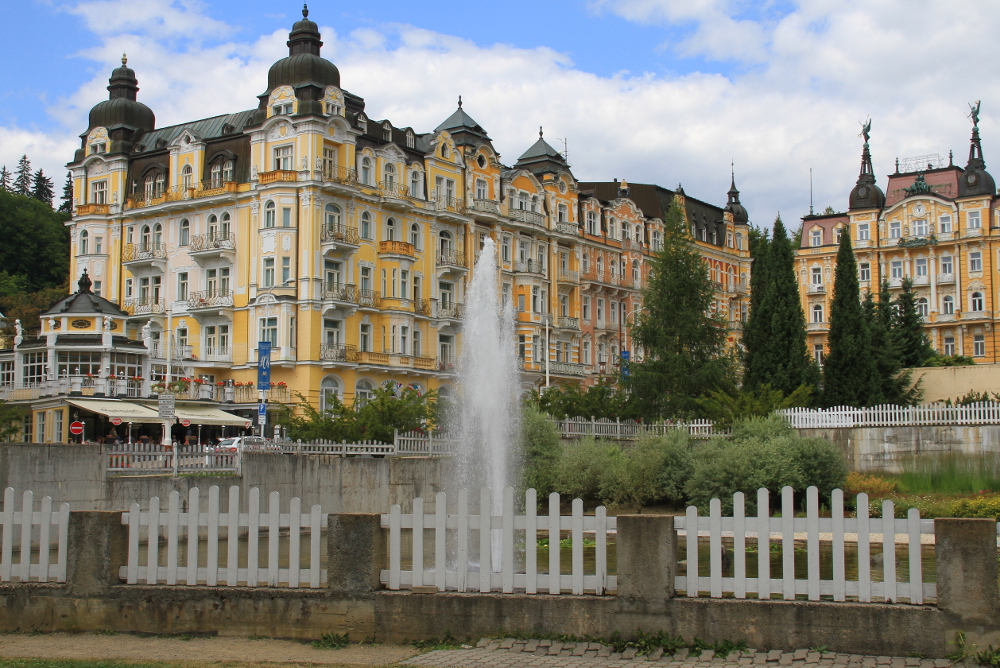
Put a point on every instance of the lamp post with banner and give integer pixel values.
(264, 362)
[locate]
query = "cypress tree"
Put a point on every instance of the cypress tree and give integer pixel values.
(757, 329)
(4, 179)
(849, 374)
(22, 178)
(683, 343)
(42, 188)
(789, 365)
(908, 335)
(66, 201)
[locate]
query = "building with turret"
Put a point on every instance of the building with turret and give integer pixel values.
(344, 241)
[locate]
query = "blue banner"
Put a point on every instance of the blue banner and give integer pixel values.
(625, 360)
(264, 365)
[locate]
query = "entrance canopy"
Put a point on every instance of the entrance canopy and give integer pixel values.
(205, 415)
(127, 411)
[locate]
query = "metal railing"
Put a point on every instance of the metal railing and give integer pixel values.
(339, 234)
(340, 352)
(451, 311)
(449, 257)
(213, 241)
(339, 174)
(394, 189)
(143, 251)
(92, 209)
(422, 307)
(143, 306)
(210, 299)
(443, 203)
(446, 364)
(369, 298)
(265, 178)
(530, 266)
(218, 354)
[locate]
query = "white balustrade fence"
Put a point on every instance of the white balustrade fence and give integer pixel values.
(38, 531)
(632, 430)
(457, 565)
(987, 412)
(785, 531)
(239, 533)
(149, 458)
(412, 443)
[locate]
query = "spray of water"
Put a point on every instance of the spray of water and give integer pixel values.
(488, 389)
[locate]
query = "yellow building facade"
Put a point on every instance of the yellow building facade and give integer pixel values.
(935, 224)
(347, 243)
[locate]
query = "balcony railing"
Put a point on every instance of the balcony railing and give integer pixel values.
(568, 323)
(484, 206)
(567, 228)
(974, 232)
(213, 241)
(393, 189)
(946, 278)
(213, 188)
(341, 234)
(369, 298)
(447, 204)
(143, 306)
(451, 311)
(976, 315)
(92, 209)
(339, 352)
(735, 325)
(530, 266)
(527, 217)
(365, 357)
(422, 307)
(446, 364)
(265, 178)
(143, 252)
(817, 326)
(397, 248)
(218, 354)
(449, 257)
(569, 276)
(210, 299)
(566, 368)
(815, 289)
(338, 174)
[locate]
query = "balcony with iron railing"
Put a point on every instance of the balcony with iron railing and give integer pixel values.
(527, 217)
(488, 207)
(422, 307)
(92, 209)
(446, 364)
(277, 176)
(396, 248)
(212, 242)
(144, 306)
(339, 352)
(339, 234)
(144, 252)
(368, 298)
(346, 176)
(568, 276)
(210, 299)
(450, 257)
(215, 188)
(393, 190)
(450, 311)
(815, 288)
(530, 267)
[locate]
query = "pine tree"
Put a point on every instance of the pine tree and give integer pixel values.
(849, 374)
(908, 335)
(42, 188)
(4, 179)
(66, 201)
(22, 179)
(757, 329)
(684, 355)
(789, 365)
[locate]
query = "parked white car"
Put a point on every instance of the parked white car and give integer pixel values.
(238, 443)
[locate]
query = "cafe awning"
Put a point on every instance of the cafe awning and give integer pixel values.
(126, 410)
(205, 415)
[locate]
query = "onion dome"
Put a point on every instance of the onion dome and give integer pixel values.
(124, 118)
(976, 180)
(733, 206)
(866, 194)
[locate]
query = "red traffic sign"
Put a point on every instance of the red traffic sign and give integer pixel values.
(76, 428)
(116, 421)
(186, 423)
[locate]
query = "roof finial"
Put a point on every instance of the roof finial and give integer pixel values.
(951, 159)
(974, 114)
(124, 60)
(305, 10)
(459, 101)
(540, 133)
(84, 283)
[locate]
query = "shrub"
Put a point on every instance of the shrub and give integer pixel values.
(984, 505)
(581, 467)
(653, 470)
(821, 463)
(540, 451)
(874, 486)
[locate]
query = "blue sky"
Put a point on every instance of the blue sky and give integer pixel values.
(649, 90)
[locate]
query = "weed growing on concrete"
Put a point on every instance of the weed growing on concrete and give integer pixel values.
(447, 642)
(821, 649)
(722, 648)
(989, 657)
(332, 641)
(961, 650)
(105, 632)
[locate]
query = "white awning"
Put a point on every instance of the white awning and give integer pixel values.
(205, 415)
(126, 410)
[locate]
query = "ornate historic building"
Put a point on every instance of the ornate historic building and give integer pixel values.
(935, 224)
(346, 242)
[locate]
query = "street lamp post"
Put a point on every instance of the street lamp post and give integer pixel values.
(262, 393)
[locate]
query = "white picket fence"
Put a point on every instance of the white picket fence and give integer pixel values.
(632, 430)
(37, 529)
(786, 530)
(412, 443)
(149, 458)
(455, 567)
(987, 412)
(241, 565)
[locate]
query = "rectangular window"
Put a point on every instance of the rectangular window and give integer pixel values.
(505, 249)
(57, 426)
(447, 294)
(944, 224)
(818, 353)
(366, 279)
(445, 348)
(815, 238)
(283, 158)
(920, 227)
(536, 349)
(946, 265)
(99, 245)
(921, 265)
(33, 369)
(269, 330)
(973, 220)
(864, 271)
(975, 261)
(384, 292)
(182, 286)
(520, 303)
(97, 288)
(895, 229)
(817, 276)
(329, 163)
(979, 345)
(99, 192)
(365, 339)
(863, 232)
(268, 272)
(286, 269)
(600, 310)
(404, 283)
(482, 191)
(332, 278)
(586, 309)
(7, 373)
(331, 332)
(286, 217)
(404, 339)
(40, 427)
(224, 281)
(521, 346)
(586, 352)
(949, 345)
(613, 312)
(534, 300)
(395, 283)
(896, 269)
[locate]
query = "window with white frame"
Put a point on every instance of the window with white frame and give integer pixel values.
(816, 238)
(84, 243)
(187, 177)
(947, 305)
(270, 214)
(896, 269)
(366, 171)
(416, 183)
(562, 214)
(283, 158)
(817, 313)
(228, 172)
(818, 353)
(975, 261)
(591, 222)
(864, 271)
(269, 330)
(268, 272)
(895, 229)
(184, 238)
(920, 227)
(921, 266)
(817, 276)
(973, 220)
(863, 232)
(978, 345)
(976, 302)
(389, 176)
(366, 225)
(505, 248)
(99, 192)
(947, 265)
(33, 367)
(944, 224)
(482, 189)
(182, 286)
(923, 307)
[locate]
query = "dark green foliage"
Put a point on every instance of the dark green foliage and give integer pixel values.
(757, 329)
(683, 344)
(11, 421)
(66, 201)
(894, 383)
(850, 376)
(540, 451)
(22, 177)
(603, 400)
(332, 641)
(581, 467)
(35, 241)
(725, 407)
(908, 335)
(654, 470)
(949, 360)
(42, 188)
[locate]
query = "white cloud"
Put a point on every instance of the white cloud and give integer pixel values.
(828, 64)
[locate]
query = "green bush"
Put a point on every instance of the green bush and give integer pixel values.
(582, 466)
(986, 506)
(540, 451)
(652, 471)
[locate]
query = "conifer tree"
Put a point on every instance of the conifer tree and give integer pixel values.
(5, 179)
(22, 177)
(683, 344)
(757, 329)
(908, 335)
(42, 188)
(66, 201)
(849, 374)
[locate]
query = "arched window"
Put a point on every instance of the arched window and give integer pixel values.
(416, 184)
(216, 175)
(415, 235)
(390, 229)
(228, 173)
(635, 272)
(362, 393)
(224, 228)
(612, 229)
(390, 176)
(922, 307)
(444, 241)
(147, 187)
(366, 225)
(160, 185)
(185, 233)
(656, 240)
(638, 233)
(976, 302)
(329, 393)
(213, 228)
(591, 222)
(948, 305)
(332, 216)
(84, 242)
(366, 171)
(158, 234)
(739, 241)
(144, 236)
(817, 313)
(187, 176)
(586, 263)
(269, 214)
(600, 265)
(444, 150)
(626, 232)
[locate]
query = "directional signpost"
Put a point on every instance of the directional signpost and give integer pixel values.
(166, 405)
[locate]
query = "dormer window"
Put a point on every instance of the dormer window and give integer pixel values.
(332, 109)
(161, 143)
(228, 172)
(444, 150)
(386, 131)
(187, 176)
(99, 147)
(282, 109)
(363, 122)
(816, 238)
(216, 175)
(409, 139)
(228, 129)
(160, 185)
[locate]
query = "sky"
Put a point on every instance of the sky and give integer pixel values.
(651, 91)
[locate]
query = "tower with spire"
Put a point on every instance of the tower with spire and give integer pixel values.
(866, 193)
